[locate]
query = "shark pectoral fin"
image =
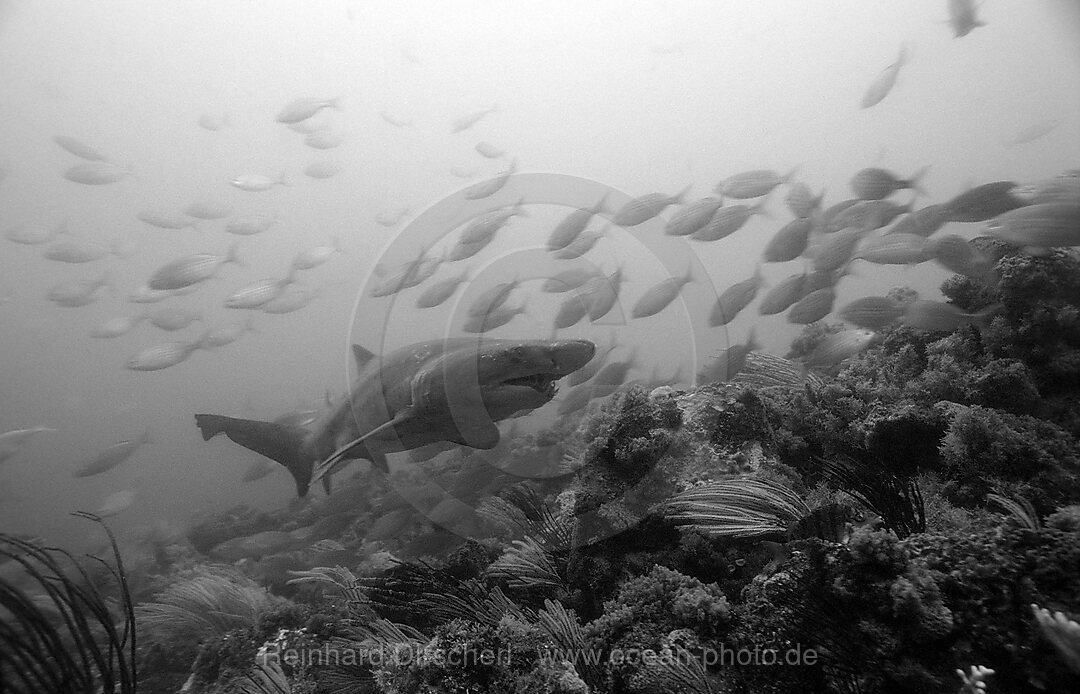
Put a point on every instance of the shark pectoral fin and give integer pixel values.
(278, 442)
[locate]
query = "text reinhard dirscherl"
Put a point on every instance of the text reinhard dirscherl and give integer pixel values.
(405, 655)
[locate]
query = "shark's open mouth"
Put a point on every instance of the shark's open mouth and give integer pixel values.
(541, 383)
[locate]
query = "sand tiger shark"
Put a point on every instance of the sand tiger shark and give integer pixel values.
(440, 390)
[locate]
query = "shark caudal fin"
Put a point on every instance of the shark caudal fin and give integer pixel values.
(279, 442)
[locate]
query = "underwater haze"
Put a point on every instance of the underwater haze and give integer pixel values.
(329, 144)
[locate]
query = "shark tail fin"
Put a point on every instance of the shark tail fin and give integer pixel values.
(278, 442)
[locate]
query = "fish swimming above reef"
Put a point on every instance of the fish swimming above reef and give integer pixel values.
(440, 390)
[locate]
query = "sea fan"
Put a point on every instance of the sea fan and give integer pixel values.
(521, 509)
(1020, 509)
(680, 671)
(266, 678)
(344, 580)
(64, 639)
(525, 564)
(563, 628)
(211, 602)
(737, 507)
(897, 500)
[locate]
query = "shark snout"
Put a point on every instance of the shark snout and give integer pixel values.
(571, 355)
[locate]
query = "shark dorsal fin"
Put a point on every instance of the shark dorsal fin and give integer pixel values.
(361, 356)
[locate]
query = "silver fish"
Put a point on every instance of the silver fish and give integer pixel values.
(293, 298)
(469, 120)
(1047, 225)
(226, 334)
(463, 250)
(867, 215)
(923, 222)
(1035, 131)
(96, 173)
(1064, 187)
(76, 251)
(251, 224)
(485, 226)
(641, 209)
(214, 121)
(872, 312)
(488, 150)
(659, 296)
(440, 291)
(75, 293)
(259, 293)
(190, 270)
(111, 456)
(491, 299)
(837, 249)
(208, 208)
(789, 242)
(957, 254)
(411, 274)
(317, 255)
(302, 109)
(734, 299)
(165, 220)
(162, 356)
(118, 326)
(324, 139)
(394, 120)
(763, 370)
(727, 220)
(877, 184)
(894, 249)
(572, 225)
(255, 183)
(35, 234)
(590, 369)
(569, 279)
(962, 17)
(728, 363)
(983, 202)
(487, 188)
(116, 503)
(172, 318)
(936, 316)
(840, 346)
(783, 295)
(753, 184)
(581, 245)
(692, 217)
(322, 169)
(884, 83)
(497, 318)
(602, 294)
(79, 148)
(802, 202)
(812, 307)
(573, 308)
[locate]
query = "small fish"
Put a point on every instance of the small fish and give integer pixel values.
(1064, 187)
(837, 249)
(734, 299)
(411, 274)
(324, 139)
(603, 293)
(328, 546)
(389, 219)
(118, 326)
(753, 184)
(317, 255)
(311, 125)
(802, 202)
(76, 293)
(165, 220)
(1047, 225)
(873, 312)
(214, 121)
(867, 215)
(878, 184)
(35, 235)
(257, 470)
(111, 456)
(572, 225)
(163, 355)
(469, 120)
(884, 83)
(840, 346)
(462, 250)
(208, 208)
(934, 316)
(573, 308)
(495, 319)
(485, 226)
(488, 150)
(692, 217)
(76, 251)
(146, 295)
(826, 222)
(591, 368)
(440, 291)
(581, 245)
(96, 173)
(255, 183)
(322, 169)
(226, 334)
(812, 307)
(786, 292)
(1035, 131)
(962, 17)
(641, 209)
(260, 292)
(172, 319)
(116, 503)
(894, 249)
(394, 120)
(487, 188)
(956, 253)
(302, 109)
(727, 220)
(12, 442)
(762, 370)
(79, 148)
(575, 399)
(923, 222)
(568, 280)
(190, 270)
(789, 242)
(983, 202)
(491, 299)
(251, 224)
(293, 298)
(657, 297)
(728, 363)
